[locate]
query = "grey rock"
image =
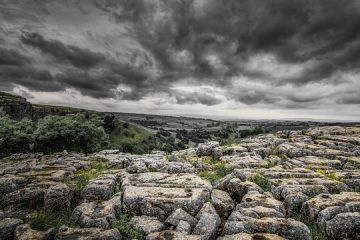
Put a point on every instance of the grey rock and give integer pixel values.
(148, 224)
(222, 202)
(66, 233)
(209, 222)
(172, 235)
(286, 228)
(344, 225)
(57, 198)
(29, 197)
(24, 232)
(206, 149)
(101, 188)
(7, 228)
(256, 236)
(183, 227)
(96, 214)
(180, 215)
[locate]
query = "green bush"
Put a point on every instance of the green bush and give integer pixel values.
(15, 136)
(52, 134)
(70, 132)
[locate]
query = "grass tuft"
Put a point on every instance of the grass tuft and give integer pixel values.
(218, 171)
(127, 228)
(42, 220)
(316, 234)
(261, 180)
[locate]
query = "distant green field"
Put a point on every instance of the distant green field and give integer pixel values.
(131, 134)
(130, 138)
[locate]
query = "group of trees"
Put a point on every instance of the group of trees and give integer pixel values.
(89, 133)
(52, 134)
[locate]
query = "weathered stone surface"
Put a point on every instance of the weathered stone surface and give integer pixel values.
(183, 227)
(161, 202)
(148, 224)
(96, 214)
(308, 171)
(180, 215)
(165, 180)
(172, 235)
(7, 228)
(24, 232)
(344, 225)
(66, 233)
(101, 188)
(57, 198)
(313, 206)
(222, 202)
(256, 236)
(209, 222)
(26, 197)
(206, 149)
(7, 185)
(287, 228)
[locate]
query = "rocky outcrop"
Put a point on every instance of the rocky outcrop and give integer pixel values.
(271, 186)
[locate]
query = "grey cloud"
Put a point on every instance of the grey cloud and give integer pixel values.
(196, 97)
(79, 57)
(218, 39)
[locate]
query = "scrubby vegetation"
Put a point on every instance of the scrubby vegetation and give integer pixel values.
(216, 171)
(43, 220)
(316, 234)
(52, 134)
(261, 180)
(90, 131)
(127, 229)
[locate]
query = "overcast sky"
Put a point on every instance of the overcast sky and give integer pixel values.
(219, 58)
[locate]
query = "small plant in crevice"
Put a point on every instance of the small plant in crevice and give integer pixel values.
(127, 229)
(42, 219)
(330, 175)
(218, 171)
(315, 232)
(261, 180)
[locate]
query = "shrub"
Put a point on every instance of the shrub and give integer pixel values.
(15, 136)
(70, 132)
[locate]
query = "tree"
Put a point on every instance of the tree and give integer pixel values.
(15, 136)
(70, 132)
(109, 123)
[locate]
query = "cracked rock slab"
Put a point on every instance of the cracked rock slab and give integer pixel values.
(161, 202)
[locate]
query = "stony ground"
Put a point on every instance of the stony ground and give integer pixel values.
(289, 185)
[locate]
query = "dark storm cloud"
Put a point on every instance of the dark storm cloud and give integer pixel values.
(196, 97)
(209, 41)
(79, 57)
(295, 31)
(12, 57)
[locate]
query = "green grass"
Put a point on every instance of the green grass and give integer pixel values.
(42, 220)
(330, 175)
(261, 180)
(127, 228)
(277, 152)
(128, 136)
(316, 234)
(218, 171)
